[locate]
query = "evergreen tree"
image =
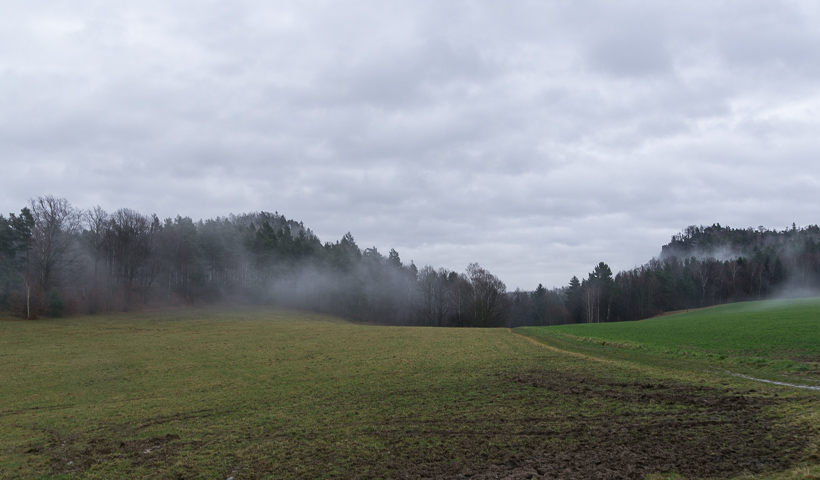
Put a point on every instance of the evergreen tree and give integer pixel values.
(573, 300)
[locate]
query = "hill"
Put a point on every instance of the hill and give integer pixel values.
(726, 243)
(779, 336)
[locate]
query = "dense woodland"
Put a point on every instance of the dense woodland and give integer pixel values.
(58, 260)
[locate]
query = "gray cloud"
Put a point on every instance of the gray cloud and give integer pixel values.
(534, 138)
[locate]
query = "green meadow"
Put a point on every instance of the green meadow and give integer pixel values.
(780, 336)
(268, 393)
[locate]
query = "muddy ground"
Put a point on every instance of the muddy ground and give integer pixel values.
(547, 424)
(641, 429)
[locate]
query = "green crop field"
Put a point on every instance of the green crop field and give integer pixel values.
(267, 393)
(775, 336)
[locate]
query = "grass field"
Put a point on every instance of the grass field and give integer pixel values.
(780, 336)
(264, 393)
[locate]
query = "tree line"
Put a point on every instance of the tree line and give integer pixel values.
(705, 266)
(56, 260)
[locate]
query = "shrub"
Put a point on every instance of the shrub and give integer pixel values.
(56, 305)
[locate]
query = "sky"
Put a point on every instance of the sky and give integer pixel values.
(536, 138)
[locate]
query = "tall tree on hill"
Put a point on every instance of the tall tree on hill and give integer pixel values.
(132, 242)
(489, 308)
(434, 297)
(9, 262)
(15, 241)
(597, 296)
(591, 301)
(54, 235)
(460, 294)
(573, 300)
(703, 274)
(97, 239)
(539, 306)
(179, 245)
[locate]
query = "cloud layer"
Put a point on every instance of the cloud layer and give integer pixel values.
(537, 138)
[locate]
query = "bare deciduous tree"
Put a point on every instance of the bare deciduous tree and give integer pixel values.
(488, 297)
(56, 225)
(132, 245)
(433, 289)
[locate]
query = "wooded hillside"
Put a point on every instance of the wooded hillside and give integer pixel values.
(58, 260)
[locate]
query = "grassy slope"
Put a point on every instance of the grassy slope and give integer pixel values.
(774, 336)
(258, 390)
(249, 393)
(777, 340)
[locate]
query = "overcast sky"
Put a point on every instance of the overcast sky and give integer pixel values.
(536, 138)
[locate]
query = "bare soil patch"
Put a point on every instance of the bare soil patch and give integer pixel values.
(71, 454)
(641, 428)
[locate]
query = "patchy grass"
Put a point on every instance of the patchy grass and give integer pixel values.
(265, 393)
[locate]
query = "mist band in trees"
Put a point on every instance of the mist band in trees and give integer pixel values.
(54, 255)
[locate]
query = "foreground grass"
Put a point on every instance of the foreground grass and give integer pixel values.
(781, 336)
(260, 393)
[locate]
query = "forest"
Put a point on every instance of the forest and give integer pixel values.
(57, 260)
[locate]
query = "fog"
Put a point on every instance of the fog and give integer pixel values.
(537, 139)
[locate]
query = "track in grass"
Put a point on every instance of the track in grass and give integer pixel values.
(781, 336)
(256, 393)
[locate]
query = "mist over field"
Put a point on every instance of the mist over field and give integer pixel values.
(60, 260)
